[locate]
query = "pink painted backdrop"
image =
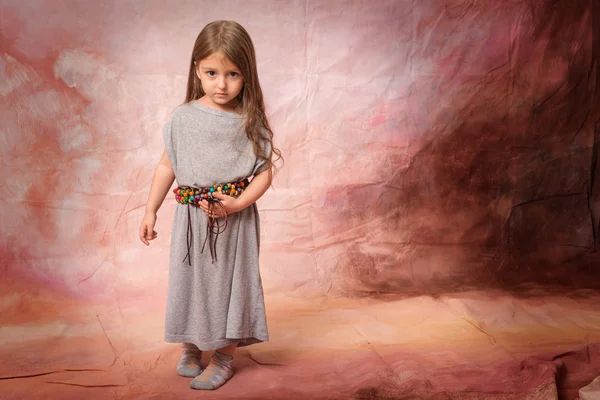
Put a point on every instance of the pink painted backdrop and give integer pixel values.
(436, 219)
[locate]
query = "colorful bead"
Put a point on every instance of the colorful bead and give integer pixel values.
(191, 195)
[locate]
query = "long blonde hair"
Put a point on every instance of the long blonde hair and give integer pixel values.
(233, 40)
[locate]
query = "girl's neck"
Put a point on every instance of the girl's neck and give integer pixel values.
(233, 106)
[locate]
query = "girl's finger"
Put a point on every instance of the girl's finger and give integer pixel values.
(143, 235)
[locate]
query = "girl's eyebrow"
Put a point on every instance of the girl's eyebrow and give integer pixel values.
(209, 67)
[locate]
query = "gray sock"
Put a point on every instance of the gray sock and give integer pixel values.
(216, 374)
(189, 363)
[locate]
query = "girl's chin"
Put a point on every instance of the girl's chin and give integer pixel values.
(222, 100)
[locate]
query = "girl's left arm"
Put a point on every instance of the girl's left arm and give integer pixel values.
(257, 187)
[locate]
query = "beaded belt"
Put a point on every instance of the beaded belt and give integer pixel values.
(192, 196)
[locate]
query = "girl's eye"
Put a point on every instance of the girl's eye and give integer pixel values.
(234, 74)
(210, 73)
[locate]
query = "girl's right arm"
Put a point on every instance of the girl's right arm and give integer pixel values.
(161, 183)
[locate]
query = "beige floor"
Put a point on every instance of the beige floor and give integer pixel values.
(467, 346)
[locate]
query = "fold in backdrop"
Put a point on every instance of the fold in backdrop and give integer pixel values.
(432, 234)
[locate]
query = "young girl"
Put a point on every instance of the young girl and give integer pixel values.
(214, 142)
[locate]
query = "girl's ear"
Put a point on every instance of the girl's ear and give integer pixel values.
(197, 68)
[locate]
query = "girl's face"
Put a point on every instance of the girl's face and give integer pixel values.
(221, 80)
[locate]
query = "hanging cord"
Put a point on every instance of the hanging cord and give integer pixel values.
(190, 236)
(191, 196)
(210, 228)
(213, 226)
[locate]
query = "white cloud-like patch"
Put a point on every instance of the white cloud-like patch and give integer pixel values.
(89, 74)
(13, 74)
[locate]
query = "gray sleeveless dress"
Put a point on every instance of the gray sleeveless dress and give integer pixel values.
(213, 305)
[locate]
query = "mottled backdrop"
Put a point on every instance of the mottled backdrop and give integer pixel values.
(432, 234)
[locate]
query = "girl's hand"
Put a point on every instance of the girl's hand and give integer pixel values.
(147, 231)
(230, 204)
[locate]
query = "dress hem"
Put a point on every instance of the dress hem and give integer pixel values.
(242, 340)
